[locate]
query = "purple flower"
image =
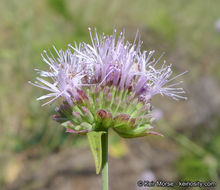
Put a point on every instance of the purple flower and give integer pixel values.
(66, 74)
(122, 64)
(108, 84)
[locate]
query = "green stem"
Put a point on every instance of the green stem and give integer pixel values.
(105, 161)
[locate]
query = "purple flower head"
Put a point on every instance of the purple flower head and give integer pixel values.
(117, 62)
(106, 84)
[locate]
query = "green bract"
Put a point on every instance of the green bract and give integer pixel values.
(101, 108)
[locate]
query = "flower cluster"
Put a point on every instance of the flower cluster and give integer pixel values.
(106, 84)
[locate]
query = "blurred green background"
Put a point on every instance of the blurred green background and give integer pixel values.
(36, 153)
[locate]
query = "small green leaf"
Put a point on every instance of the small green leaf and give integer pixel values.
(95, 142)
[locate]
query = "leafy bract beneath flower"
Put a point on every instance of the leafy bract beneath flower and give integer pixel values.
(101, 108)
